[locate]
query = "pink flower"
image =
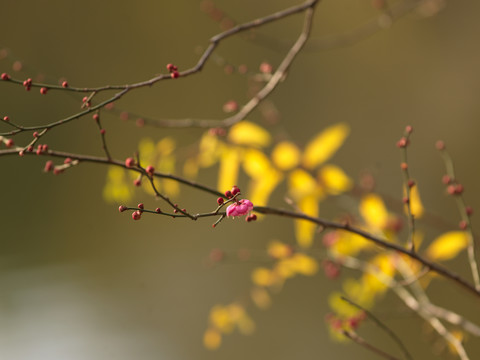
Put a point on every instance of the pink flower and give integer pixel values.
(243, 207)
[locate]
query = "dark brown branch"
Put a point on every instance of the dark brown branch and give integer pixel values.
(272, 211)
(307, 6)
(382, 326)
(362, 342)
(381, 242)
(106, 161)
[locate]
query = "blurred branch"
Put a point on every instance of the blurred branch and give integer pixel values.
(362, 342)
(379, 241)
(271, 211)
(421, 307)
(456, 189)
(349, 38)
(381, 326)
(307, 6)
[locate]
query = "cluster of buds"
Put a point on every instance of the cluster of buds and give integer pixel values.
(42, 149)
(331, 269)
(58, 169)
(339, 324)
(453, 186)
(5, 77)
(27, 84)
(86, 102)
(239, 207)
(173, 70)
(404, 140)
(217, 131)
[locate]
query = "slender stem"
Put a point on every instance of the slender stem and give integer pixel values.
(362, 342)
(377, 240)
(471, 249)
(382, 326)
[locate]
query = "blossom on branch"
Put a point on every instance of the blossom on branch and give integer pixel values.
(240, 208)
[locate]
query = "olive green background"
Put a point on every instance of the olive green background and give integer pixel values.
(79, 280)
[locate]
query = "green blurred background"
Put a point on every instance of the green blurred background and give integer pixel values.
(80, 281)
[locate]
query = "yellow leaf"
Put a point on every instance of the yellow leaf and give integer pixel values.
(221, 319)
(190, 168)
(146, 150)
(324, 145)
(255, 163)
(236, 312)
(356, 291)
(260, 189)
(286, 155)
(377, 281)
(334, 179)
(373, 211)
(341, 307)
(212, 339)
(304, 264)
(170, 187)
(246, 326)
(116, 188)
(264, 177)
(279, 250)
(166, 146)
(285, 268)
(416, 206)
(248, 133)
(447, 245)
(228, 173)
(260, 297)
(304, 229)
(301, 183)
(209, 150)
(349, 244)
(262, 277)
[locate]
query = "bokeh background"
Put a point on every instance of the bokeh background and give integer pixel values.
(78, 280)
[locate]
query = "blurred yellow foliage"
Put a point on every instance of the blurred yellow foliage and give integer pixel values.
(304, 229)
(228, 172)
(116, 188)
(260, 297)
(334, 179)
(373, 211)
(447, 246)
(324, 145)
(301, 184)
(416, 206)
(212, 339)
(348, 244)
(224, 319)
(262, 277)
(304, 264)
(248, 133)
(286, 155)
(279, 250)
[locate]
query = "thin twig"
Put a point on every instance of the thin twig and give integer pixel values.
(307, 6)
(377, 240)
(421, 308)
(382, 326)
(408, 184)
(471, 249)
(362, 342)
